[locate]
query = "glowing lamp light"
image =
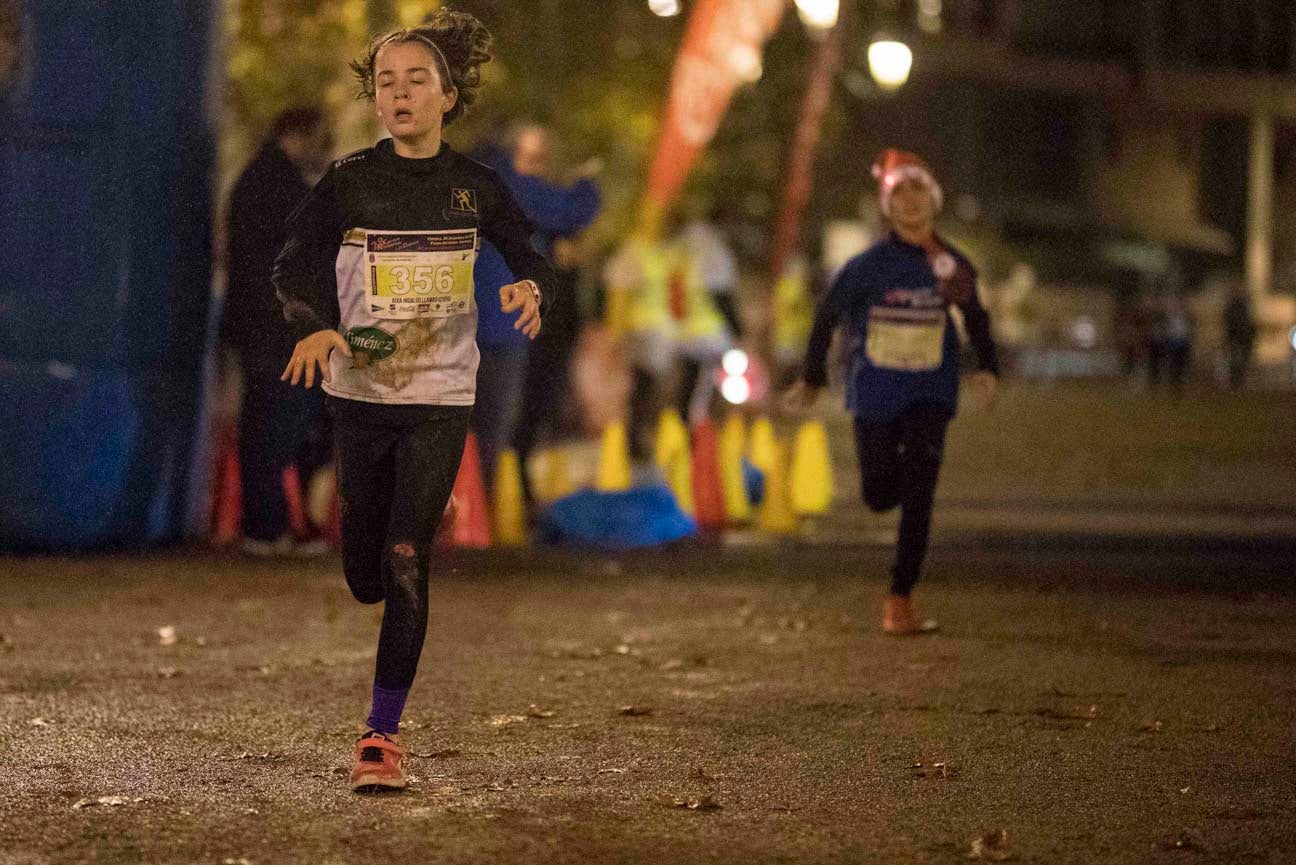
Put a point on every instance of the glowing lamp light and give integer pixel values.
(735, 389)
(664, 8)
(735, 362)
(889, 63)
(817, 14)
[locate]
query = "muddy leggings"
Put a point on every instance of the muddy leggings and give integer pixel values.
(396, 467)
(899, 464)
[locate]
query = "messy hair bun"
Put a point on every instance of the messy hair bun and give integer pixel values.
(460, 45)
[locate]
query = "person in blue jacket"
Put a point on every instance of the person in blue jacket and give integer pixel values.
(897, 300)
(516, 376)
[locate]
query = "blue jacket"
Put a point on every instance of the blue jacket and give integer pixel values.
(903, 349)
(556, 211)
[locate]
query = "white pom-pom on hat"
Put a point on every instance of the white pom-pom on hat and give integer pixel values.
(892, 166)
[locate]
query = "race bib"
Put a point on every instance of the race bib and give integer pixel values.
(907, 340)
(419, 274)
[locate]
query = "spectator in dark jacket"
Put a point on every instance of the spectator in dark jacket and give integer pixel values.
(279, 425)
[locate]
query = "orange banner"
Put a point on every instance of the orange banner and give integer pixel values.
(805, 143)
(722, 48)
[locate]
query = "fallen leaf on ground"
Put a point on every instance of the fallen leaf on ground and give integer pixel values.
(534, 711)
(635, 711)
(505, 720)
(238, 861)
(1150, 727)
(698, 803)
(991, 847)
(40, 722)
(438, 755)
(611, 771)
(112, 801)
(167, 672)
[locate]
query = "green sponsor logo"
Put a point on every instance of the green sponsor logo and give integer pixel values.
(374, 342)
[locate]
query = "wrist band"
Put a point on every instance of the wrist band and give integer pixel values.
(535, 289)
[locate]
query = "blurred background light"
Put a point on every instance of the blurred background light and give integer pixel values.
(929, 16)
(735, 362)
(664, 8)
(817, 14)
(735, 389)
(889, 62)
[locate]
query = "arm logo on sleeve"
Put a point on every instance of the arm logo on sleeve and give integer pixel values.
(463, 200)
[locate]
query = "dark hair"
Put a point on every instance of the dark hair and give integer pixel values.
(297, 120)
(460, 44)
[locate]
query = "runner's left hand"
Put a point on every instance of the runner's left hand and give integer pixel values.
(518, 296)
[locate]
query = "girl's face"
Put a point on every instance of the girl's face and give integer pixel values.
(912, 205)
(408, 92)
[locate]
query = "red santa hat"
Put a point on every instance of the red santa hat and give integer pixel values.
(893, 166)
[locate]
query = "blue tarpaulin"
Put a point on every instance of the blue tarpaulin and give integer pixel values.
(106, 151)
(645, 516)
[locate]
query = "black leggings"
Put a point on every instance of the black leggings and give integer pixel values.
(396, 467)
(899, 464)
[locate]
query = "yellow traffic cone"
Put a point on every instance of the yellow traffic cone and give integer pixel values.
(554, 474)
(776, 517)
(732, 440)
(760, 447)
(510, 511)
(672, 437)
(614, 460)
(812, 488)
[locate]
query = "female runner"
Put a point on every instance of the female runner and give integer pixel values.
(377, 275)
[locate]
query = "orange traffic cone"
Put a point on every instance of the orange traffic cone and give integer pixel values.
(708, 491)
(292, 487)
(227, 492)
(472, 525)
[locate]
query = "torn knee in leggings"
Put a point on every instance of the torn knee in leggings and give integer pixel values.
(404, 565)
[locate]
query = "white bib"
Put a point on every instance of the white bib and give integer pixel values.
(910, 340)
(419, 274)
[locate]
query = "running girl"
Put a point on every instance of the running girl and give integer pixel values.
(897, 297)
(377, 275)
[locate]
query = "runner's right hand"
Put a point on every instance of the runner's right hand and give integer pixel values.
(312, 352)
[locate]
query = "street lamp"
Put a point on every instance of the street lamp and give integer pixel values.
(818, 14)
(664, 8)
(889, 62)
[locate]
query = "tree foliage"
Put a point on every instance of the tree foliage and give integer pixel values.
(596, 71)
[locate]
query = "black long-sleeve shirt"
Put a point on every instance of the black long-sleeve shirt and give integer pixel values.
(382, 250)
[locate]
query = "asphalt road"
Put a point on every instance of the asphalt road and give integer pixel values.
(1096, 703)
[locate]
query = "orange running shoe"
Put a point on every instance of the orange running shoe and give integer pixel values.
(898, 618)
(378, 766)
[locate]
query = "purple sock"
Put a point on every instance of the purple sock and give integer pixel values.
(388, 704)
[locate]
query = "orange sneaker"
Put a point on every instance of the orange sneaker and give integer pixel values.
(898, 618)
(378, 762)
